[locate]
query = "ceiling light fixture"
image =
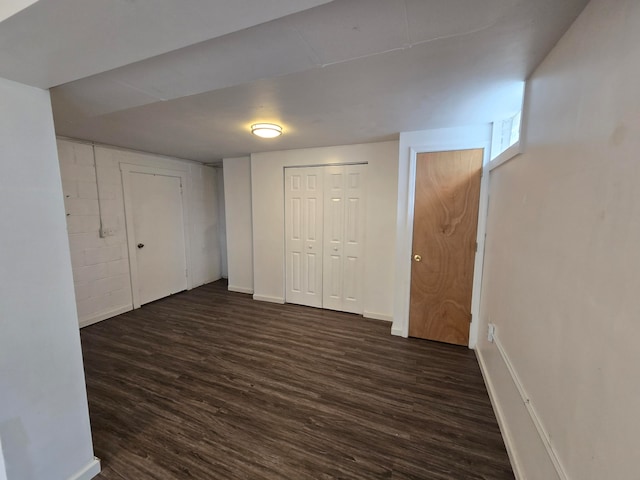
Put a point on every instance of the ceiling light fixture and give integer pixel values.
(266, 130)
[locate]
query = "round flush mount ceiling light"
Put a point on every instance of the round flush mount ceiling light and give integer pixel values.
(266, 130)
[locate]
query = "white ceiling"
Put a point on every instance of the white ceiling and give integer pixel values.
(65, 40)
(347, 71)
(11, 7)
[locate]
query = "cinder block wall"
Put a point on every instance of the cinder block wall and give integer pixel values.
(101, 265)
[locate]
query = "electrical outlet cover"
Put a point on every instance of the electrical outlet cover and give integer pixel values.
(491, 332)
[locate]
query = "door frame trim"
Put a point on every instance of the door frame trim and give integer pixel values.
(126, 169)
(427, 142)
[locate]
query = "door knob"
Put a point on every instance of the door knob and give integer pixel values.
(417, 258)
(140, 245)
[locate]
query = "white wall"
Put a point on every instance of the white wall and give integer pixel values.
(267, 173)
(3, 469)
(222, 224)
(204, 224)
(101, 265)
(411, 143)
(562, 266)
(237, 204)
(44, 421)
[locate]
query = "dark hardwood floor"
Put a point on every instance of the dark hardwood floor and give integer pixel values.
(209, 384)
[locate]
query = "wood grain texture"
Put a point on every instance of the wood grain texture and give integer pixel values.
(444, 235)
(209, 384)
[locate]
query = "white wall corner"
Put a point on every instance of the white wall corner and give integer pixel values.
(89, 471)
(238, 222)
(43, 403)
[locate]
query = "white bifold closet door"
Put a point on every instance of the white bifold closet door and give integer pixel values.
(343, 237)
(303, 234)
(325, 204)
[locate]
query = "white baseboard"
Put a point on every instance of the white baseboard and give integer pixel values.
(234, 288)
(536, 423)
(378, 316)
(267, 298)
(103, 316)
(497, 410)
(396, 331)
(89, 471)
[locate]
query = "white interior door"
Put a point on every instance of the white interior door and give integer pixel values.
(158, 229)
(303, 235)
(343, 237)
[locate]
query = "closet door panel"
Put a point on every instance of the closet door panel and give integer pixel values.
(333, 274)
(303, 235)
(353, 265)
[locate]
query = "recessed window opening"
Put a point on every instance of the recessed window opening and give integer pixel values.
(506, 133)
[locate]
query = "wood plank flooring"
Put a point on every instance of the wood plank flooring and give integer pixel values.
(210, 384)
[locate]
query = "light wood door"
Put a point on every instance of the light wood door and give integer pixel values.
(158, 228)
(344, 196)
(303, 235)
(444, 244)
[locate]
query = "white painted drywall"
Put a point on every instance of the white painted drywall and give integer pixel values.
(3, 469)
(204, 222)
(562, 266)
(44, 421)
(411, 143)
(101, 265)
(237, 203)
(222, 223)
(267, 173)
(72, 34)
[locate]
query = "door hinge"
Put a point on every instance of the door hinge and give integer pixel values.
(476, 247)
(470, 317)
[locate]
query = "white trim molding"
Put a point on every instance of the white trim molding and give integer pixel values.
(234, 288)
(378, 316)
(533, 414)
(530, 408)
(412, 143)
(500, 417)
(396, 331)
(269, 299)
(89, 471)
(103, 316)
(512, 152)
